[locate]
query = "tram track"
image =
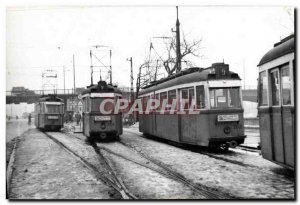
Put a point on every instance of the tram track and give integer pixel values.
(169, 173)
(108, 178)
(215, 156)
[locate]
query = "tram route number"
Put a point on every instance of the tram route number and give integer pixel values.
(102, 118)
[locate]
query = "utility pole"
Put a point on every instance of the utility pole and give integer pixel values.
(110, 70)
(131, 79)
(64, 70)
(131, 117)
(74, 72)
(178, 52)
(244, 73)
(91, 67)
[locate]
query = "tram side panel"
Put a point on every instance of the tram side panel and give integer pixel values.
(188, 129)
(266, 141)
(289, 141)
(167, 127)
(86, 124)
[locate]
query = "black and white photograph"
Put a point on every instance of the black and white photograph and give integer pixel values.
(150, 102)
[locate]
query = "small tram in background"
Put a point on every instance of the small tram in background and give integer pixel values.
(217, 95)
(276, 106)
(95, 123)
(49, 113)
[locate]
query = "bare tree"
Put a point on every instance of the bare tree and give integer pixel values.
(188, 48)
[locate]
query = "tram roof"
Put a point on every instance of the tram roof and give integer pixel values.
(190, 75)
(101, 87)
(285, 46)
(50, 98)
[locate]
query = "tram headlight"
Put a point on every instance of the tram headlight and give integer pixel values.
(103, 126)
(227, 130)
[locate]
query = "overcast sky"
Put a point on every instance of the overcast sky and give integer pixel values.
(39, 38)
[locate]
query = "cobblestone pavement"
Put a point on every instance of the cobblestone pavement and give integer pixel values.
(241, 181)
(42, 170)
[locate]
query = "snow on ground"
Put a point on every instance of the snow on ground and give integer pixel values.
(42, 170)
(241, 181)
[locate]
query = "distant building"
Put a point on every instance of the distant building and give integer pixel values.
(17, 91)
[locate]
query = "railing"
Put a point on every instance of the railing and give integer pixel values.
(40, 92)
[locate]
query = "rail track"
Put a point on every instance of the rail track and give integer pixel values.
(163, 169)
(216, 156)
(108, 177)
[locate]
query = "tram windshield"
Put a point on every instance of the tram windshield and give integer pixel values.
(96, 102)
(50, 108)
(225, 97)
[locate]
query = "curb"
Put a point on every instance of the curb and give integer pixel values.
(10, 169)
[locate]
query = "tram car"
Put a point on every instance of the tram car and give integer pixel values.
(215, 93)
(276, 106)
(97, 124)
(49, 113)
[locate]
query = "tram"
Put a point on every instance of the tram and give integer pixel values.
(97, 124)
(276, 106)
(214, 92)
(49, 113)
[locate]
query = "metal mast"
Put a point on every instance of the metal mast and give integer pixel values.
(91, 67)
(178, 52)
(110, 70)
(131, 79)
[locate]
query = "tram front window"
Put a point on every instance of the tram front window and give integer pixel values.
(225, 97)
(96, 102)
(58, 109)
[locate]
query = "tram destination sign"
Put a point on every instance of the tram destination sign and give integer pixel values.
(102, 118)
(228, 118)
(52, 117)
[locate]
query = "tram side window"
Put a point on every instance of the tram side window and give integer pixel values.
(191, 97)
(263, 88)
(187, 96)
(157, 98)
(286, 85)
(200, 95)
(163, 96)
(275, 87)
(171, 97)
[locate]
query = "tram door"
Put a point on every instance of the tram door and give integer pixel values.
(187, 129)
(281, 118)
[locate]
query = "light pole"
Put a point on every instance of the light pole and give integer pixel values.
(131, 86)
(64, 71)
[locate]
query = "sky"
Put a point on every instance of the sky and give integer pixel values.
(39, 38)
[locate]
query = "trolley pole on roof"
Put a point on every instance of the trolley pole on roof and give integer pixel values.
(178, 52)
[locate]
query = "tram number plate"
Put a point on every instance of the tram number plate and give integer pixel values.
(102, 118)
(52, 117)
(228, 118)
